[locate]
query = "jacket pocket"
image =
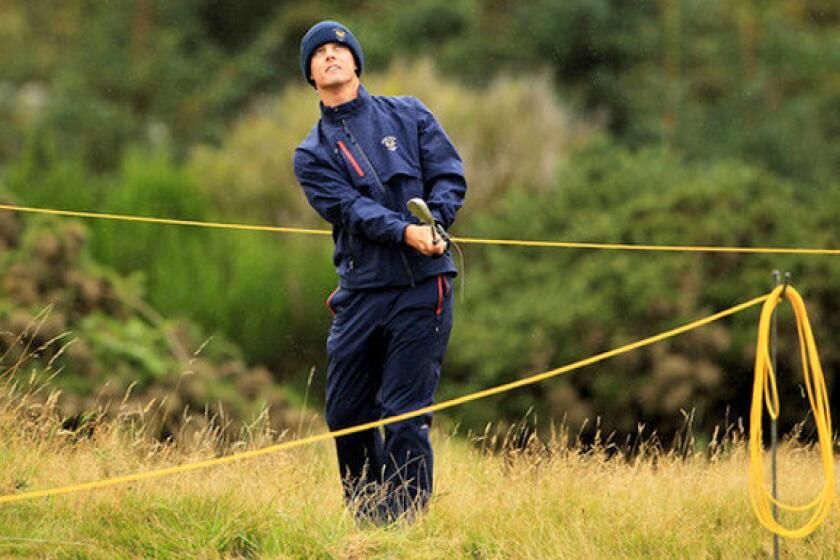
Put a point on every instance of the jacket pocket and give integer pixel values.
(358, 171)
(403, 182)
(395, 165)
(348, 155)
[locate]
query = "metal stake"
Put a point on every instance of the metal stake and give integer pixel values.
(774, 428)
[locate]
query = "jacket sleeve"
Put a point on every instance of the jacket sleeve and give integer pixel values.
(443, 171)
(329, 193)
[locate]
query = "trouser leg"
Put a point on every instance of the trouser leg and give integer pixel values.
(354, 371)
(417, 334)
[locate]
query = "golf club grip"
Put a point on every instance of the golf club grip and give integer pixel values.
(443, 235)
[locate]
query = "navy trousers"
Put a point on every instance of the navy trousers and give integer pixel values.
(384, 350)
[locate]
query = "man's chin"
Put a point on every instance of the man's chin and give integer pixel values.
(334, 83)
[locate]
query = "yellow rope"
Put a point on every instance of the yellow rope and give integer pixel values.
(640, 247)
(167, 221)
(385, 421)
(466, 240)
(766, 393)
(764, 389)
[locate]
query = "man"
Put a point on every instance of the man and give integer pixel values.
(360, 164)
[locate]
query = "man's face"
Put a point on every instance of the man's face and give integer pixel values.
(332, 65)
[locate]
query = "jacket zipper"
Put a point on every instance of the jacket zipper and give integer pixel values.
(378, 183)
(364, 156)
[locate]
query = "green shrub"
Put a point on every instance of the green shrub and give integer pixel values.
(529, 310)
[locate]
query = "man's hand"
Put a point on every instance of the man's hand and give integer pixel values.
(422, 238)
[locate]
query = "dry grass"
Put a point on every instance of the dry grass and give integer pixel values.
(549, 499)
(497, 496)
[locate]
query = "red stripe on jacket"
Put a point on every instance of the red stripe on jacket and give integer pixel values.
(351, 158)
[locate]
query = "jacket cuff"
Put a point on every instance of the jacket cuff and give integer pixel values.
(397, 231)
(438, 216)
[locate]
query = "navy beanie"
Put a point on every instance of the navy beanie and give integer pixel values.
(328, 32)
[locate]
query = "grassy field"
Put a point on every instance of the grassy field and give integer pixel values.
(549, 498)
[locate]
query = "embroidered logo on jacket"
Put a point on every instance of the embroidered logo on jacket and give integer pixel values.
(390, 142)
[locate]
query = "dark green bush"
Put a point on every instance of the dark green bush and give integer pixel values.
(530, 310)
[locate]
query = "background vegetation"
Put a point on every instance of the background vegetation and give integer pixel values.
(677, 121)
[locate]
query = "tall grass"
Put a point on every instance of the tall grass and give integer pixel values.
(501, 494)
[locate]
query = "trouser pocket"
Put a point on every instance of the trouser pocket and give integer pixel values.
(330, 297)
(442, 283)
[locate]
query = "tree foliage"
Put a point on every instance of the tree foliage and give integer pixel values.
(676, 121)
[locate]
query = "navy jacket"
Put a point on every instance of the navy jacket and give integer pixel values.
(359, 165)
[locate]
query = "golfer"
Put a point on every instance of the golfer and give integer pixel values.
(364, 159)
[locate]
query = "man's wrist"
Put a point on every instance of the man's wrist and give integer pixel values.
(410, 236)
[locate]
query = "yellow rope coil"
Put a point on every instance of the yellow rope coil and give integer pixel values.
(765, 392)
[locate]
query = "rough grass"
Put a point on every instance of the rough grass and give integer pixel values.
(501, 494)
(496, 497)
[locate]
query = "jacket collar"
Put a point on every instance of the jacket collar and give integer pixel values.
(345, 110)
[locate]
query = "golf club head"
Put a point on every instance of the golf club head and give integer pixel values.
(417, 206)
